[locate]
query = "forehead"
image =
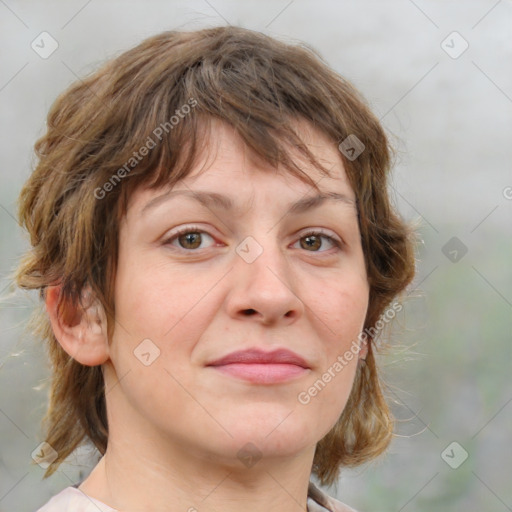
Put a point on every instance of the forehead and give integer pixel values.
(227, 165)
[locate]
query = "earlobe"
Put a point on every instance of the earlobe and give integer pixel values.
(82, 334)
(363, 350)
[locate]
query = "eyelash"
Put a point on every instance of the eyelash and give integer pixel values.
(196, 229)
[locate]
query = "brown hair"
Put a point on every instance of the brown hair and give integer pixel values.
(91, 159)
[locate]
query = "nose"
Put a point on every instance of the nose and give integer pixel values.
(264, 290)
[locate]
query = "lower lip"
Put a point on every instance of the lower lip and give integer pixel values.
(263, 373)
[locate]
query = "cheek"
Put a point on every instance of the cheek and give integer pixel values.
(341, 310)
(150, 297)
(155, 301)
(351, 309)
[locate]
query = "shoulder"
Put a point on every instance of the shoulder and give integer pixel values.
(323, 502)
(72, 499)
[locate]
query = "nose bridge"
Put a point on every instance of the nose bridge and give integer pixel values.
(262, 259)
(264, 283)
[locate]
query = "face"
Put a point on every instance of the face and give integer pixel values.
(201, 276)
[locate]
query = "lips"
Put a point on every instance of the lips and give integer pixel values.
(256, 356)
(259, 367)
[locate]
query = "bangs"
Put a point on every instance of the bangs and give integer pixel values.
(164, 106)
(182, 150)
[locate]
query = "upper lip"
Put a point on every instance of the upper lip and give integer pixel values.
(258, 356)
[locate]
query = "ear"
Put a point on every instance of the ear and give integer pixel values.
(81, 333)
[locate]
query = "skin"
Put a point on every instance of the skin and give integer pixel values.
(175, 425)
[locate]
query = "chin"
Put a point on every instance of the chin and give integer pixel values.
(271, 438)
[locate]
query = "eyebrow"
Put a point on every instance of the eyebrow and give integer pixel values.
(214, 200)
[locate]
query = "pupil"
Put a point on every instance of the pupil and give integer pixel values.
(312, 241)
(189, 239)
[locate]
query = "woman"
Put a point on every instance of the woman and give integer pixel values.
(216, 251)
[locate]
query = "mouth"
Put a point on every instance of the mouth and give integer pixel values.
(261, 367)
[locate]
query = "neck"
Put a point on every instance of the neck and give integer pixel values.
(140, 473)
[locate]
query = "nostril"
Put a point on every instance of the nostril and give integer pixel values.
(249, 312)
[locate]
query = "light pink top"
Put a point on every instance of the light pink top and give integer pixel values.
(72, 499)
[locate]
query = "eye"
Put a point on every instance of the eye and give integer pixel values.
(313, 240)
(189, 238)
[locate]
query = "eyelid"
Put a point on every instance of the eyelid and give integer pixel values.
(183, 230)
(322, 231)
(334, 238)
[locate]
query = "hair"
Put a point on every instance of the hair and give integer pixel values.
(92, 158)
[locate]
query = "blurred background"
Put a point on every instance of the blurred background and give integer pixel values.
(438, 74)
